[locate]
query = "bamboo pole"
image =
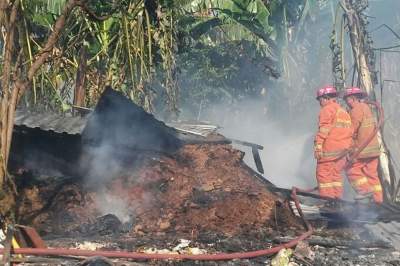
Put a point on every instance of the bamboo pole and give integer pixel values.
(360, 58)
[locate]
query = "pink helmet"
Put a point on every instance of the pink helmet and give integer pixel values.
(327, 90)
(353, 91)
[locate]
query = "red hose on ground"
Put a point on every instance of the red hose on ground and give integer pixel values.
(144, 256)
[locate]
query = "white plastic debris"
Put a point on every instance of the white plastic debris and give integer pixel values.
(86, 245)
(182, 248)
(184, 243)
(282, 258)
(195, 251)
(158, 251)
(2, 238)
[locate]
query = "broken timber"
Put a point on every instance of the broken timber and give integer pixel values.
(254, 150)
(330, 242)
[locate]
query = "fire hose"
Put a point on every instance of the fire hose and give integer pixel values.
(353, 155)
(210, 257)
(144, 256)
(364, 144)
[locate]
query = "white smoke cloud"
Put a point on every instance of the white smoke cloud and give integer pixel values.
(108, 203)
(287, 156)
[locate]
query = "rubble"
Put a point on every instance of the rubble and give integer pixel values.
(164, 193)
(202, 188)
(282, 258)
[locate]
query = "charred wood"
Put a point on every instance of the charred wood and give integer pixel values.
(329, 242)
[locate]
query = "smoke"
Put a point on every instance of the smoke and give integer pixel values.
(287, 156)
(284, 121)
(118, 138)
(101, 164)
(280, 114)
(283, 115)
(108, 203)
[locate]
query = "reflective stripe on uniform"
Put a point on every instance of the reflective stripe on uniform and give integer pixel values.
(330, 184)
(340, 122)
(344, 124)
(345, 121)
(377, 188)
(324, 130)
(368, 122)
(332, 153)
(318, 148)
(360, 181)
(370, 149)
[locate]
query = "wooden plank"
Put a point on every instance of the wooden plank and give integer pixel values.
(246, 143)
(257, 160)
(32, 237)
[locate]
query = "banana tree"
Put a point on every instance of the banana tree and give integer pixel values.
(254, 31)
(41, 44)
(119, 43)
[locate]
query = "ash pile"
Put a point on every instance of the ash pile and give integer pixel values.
(119, 179)
(121, 176)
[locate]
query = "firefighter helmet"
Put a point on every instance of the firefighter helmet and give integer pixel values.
(354, 91)
(327, 90)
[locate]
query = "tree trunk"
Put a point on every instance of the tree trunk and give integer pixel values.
(360, 58)
(11, 91)
(7, 94)
(79, 93)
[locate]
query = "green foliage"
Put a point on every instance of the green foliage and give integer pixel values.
(232, 49)
(105, 7)
(223, 73)
(118, 37)
(135, 44)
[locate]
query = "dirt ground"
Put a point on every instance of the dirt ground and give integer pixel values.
(203, 194)
(199, 190)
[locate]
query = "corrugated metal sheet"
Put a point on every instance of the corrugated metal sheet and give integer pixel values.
(203, 130)
(50, 122)
(388, 232)
(75, 124)
(383, 226)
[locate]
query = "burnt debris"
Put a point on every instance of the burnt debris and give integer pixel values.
(120, 123)
(56, 145)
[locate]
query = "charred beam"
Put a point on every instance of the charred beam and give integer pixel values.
(330, 242)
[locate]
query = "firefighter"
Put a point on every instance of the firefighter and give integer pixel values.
(332, 141)
(363, 172)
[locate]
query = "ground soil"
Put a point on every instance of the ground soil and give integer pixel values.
(203, 193)
(199, 190)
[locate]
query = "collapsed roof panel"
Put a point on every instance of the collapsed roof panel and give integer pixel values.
(117, 121)
(115, 116)
(50, 122)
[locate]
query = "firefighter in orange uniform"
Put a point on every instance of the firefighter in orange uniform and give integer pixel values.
(332, 141)
(363, 172)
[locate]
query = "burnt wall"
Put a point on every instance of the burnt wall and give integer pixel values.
(44, 152)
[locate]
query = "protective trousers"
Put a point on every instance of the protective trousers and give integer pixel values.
(363, 176)
(330, 180)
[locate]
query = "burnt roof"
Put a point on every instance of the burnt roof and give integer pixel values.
(50, 121)
(118, 115)
(117, 121)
